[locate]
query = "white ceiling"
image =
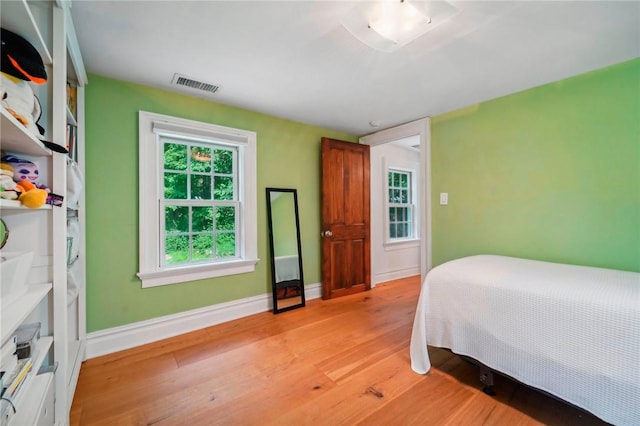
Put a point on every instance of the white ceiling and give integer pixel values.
(293, 59)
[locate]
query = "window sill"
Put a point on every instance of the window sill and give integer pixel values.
(197, 272)
(401, 244)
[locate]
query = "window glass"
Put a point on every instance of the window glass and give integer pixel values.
(400, 205)
(195, 232)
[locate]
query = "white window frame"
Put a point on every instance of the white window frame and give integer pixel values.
(415, 231)
(151, 126)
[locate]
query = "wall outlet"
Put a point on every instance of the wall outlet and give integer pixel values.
(444, 198)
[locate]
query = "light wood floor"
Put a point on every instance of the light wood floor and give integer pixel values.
(343, 361)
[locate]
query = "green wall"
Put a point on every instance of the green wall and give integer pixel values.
(288, 157)
(551, 173)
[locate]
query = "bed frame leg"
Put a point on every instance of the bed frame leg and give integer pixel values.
(486, 378)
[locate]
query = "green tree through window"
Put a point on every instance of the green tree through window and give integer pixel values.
(200, 201)
(400, 205)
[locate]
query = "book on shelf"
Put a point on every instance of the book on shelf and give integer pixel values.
(13, 383)
(72, 98)
(72, 132)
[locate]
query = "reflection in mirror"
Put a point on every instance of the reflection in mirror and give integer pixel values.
(286, 254)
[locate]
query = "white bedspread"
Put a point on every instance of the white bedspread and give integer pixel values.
(572, 331)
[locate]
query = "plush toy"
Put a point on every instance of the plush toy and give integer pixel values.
(7, 185)
(24, 174)
(23, 170)
(30, 196)
(21, 63)
(19, 101)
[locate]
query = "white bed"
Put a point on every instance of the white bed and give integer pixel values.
(572, 331)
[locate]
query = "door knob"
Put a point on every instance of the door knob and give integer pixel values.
(326, 233)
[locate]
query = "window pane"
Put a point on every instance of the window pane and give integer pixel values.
(392, 214)
(402, 230)
(203, 247)
(405, 196)
(225, 218)
(391, 195)
(392, 230)
(396, 196)
(403, 180)
(223, 189)
(226, 245)
(396, 180)
(194, 171)
(401, 214)
(175, 186)
(202, 219)
(200, 187)
(390, 176)
(223, 161)
(175, 156)
(176, 219)
(201, 159)
(176, 249)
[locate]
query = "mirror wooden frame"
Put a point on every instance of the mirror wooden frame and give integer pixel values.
(276, 287)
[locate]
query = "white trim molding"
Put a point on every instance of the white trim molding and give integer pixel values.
(422, 128)
(151, 126)
(116, 339)
(385, 276)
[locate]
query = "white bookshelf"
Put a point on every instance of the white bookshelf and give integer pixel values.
(48, 27)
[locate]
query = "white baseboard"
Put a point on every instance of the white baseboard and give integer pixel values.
(394, 275)
(115, 339)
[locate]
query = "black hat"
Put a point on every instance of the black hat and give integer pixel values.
(20, 59)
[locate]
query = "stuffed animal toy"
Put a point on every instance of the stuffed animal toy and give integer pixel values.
(21, 63)
(30, 196)
(7, 185)
(23, 170)
(18, 99)
(25, 175)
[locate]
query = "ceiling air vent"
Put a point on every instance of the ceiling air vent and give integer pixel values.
(181, 80)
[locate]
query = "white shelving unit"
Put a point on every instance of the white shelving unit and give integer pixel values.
(47, 25)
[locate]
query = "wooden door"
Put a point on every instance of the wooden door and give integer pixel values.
(346, 255)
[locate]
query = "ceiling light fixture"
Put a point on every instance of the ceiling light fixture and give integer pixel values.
(387, 25)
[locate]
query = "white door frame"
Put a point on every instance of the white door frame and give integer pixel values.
(421, 128)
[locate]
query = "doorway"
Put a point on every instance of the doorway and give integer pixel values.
(413, 133)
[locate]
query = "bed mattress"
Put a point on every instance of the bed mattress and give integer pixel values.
(572, 331)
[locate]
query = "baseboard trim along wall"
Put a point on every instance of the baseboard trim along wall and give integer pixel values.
(115, 339)
(394, 275)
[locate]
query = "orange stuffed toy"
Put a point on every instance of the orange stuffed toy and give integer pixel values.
(30, 196)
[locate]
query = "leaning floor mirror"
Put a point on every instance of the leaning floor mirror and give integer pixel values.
(286, 253)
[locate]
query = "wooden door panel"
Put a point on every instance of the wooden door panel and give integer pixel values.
(357, 257)
(337, 193)
(345, 215)
(355, 208)
(338, 265)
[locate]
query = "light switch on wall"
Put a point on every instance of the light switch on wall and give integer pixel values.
(444, 198)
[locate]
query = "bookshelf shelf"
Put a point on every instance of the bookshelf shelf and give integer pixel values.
(28, 409)
(16, 205)
(14, 314)
(28, 387)
(16, 138)
(28, 19)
